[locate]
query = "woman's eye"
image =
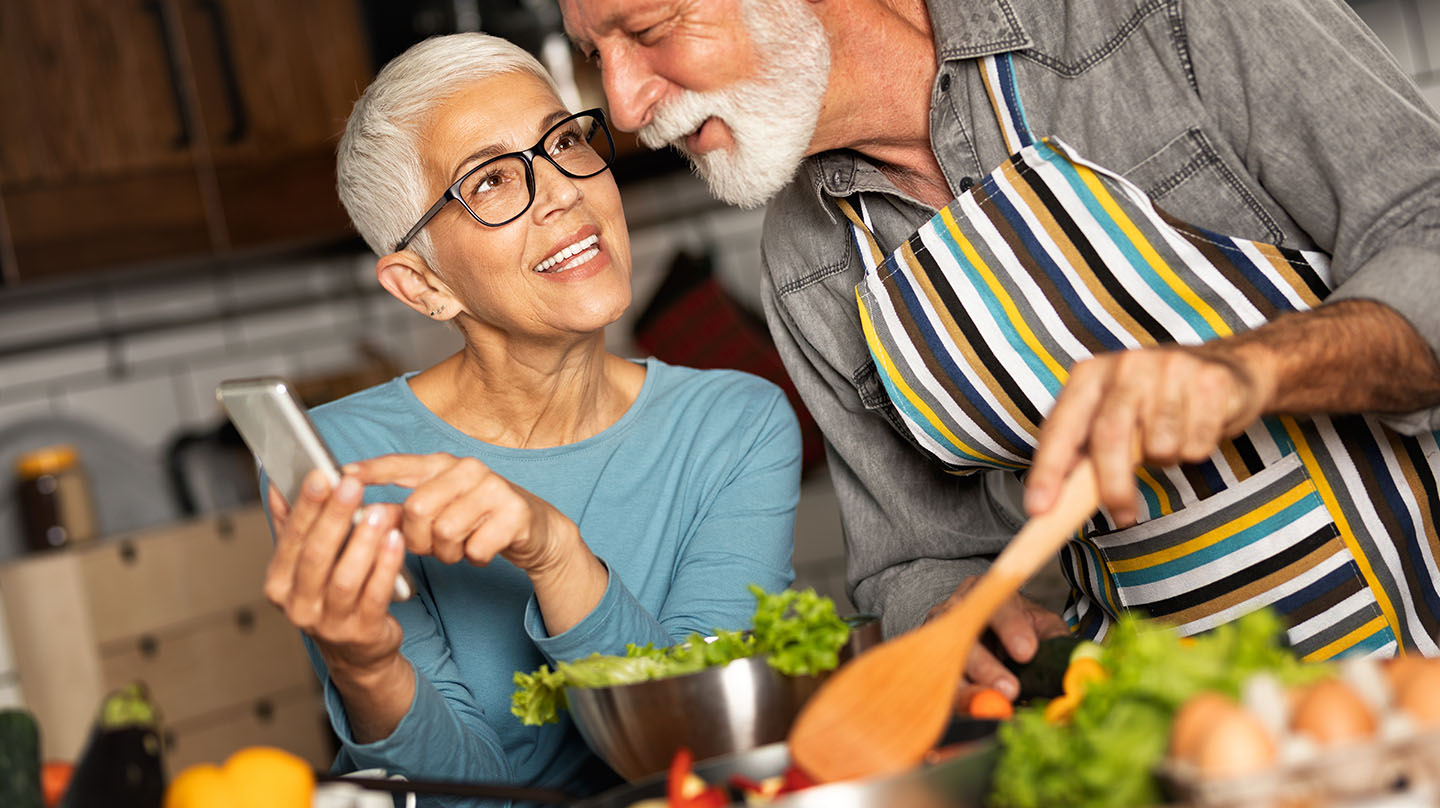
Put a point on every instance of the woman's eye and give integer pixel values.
(564, 142)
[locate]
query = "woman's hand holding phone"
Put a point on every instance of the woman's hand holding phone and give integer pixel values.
(333, 576)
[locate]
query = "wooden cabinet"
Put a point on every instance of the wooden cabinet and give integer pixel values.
(180, 609)
(149, 129)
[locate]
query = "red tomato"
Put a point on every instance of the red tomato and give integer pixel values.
(54, 779)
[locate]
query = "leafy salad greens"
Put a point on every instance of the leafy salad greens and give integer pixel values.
(798, 631)
(1107, 753)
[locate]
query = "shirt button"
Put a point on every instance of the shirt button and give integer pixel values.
(945, 82)
(966, 183)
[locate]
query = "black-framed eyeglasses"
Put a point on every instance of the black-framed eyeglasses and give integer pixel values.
(579, 146)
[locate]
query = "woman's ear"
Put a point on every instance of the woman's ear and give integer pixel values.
(410, 280)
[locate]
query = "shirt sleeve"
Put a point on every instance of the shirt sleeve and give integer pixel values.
(444, 734)
(1328, 123)
(743, 534)
(912, 532)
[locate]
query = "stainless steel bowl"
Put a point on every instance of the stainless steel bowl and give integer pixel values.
(733, 708)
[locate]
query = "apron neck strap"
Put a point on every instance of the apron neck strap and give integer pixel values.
(865, 242)
(999, 74)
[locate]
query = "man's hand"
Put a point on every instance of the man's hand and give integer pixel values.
(1018, 626)
(1177, 403)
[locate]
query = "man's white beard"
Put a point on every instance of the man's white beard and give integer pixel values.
(771, 117)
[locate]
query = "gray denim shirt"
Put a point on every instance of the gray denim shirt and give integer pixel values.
(1283, 121)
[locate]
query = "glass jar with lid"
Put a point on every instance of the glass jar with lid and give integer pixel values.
(53, 492)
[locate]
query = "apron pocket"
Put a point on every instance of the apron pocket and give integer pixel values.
(1266, 542)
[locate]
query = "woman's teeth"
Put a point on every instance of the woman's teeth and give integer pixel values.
(572, 256)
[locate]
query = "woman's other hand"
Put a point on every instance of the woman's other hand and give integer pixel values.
(335, 591)
(459, 509)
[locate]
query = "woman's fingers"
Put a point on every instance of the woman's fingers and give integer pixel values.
(375, 597)
(290, 535)
(319, 552)
(352, 570)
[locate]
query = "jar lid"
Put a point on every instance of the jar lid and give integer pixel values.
(46, 460)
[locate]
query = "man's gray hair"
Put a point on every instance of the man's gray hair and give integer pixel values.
(379, 173)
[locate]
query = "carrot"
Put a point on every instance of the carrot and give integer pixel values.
(990, 703)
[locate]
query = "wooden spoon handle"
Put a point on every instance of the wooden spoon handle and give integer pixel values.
(1039, 540)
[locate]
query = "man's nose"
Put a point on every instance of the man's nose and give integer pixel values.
(632, 89)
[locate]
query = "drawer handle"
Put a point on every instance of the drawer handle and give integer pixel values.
(149, 646)
(244, 620)
(264, 711)
(225, 526)
(128, 553)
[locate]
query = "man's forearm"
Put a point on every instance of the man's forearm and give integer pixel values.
(1350, 356)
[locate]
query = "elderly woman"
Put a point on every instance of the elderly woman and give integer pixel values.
(549, 498)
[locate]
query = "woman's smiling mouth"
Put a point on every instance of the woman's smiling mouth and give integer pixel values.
(571, 256)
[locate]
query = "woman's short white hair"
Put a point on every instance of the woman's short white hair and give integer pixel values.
(379, 174)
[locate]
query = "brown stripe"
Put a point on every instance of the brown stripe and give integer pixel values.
(981, 369)
(1234, 461)
(1259, 586)
(1351, 585)
(1288, 272)
(1226, 267)
(1078, 266)
(1051, 292)
(912, 332)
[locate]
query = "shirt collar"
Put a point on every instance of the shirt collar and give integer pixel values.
(963, 29)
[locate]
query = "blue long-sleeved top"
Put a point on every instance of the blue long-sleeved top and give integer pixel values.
(687, 499)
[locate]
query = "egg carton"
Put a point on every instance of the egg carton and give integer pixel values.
(1402, 771)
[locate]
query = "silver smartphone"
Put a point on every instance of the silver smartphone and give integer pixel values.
(273, 423)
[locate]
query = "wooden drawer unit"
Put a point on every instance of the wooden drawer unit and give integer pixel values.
(146, 581)
(294, 720)
(178, 607)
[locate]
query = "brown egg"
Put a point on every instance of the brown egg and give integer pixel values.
(1194, 718)
(1399, 669)
(1419, 695)
(1331, 712)
(1235, 743)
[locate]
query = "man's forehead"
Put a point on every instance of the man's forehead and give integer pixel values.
(585, 19)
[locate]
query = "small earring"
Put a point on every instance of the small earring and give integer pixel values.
(437, 311)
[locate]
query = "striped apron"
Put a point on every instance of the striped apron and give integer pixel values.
(974, 321)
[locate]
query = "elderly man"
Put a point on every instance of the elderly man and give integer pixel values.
(1004, 235)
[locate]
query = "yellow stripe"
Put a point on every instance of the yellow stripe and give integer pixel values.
(1344, 643)
(893, 373)
(1332, 505)
(1144, 475)
(1006, 302)
(1149, 254)
(1214, 535)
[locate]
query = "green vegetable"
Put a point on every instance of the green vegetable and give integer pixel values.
(798, 632)
(19, 760)
(1107, 753)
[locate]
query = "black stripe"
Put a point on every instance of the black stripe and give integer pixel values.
(1196, 478)
(983, 352)
(1246, 449)
(1093, 261)
(1244, 577)
(1306, 271)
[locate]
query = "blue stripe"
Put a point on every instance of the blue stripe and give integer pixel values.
(1124, 243)
(941, 354)
(1244, 538)
(1065, 283)
(1211, 475)
(1369, 644)
(1359, 435)
(997, 311)
(1252, 272)
(1329, 581)
(1278, 434)
(1006, 70)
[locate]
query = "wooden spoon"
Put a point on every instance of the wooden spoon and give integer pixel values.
(886, 708)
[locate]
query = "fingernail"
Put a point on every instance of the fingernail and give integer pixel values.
(394, 538)
(1008, 688)
(350, 468)
(349, 488)
(374, 515)
(315, 483)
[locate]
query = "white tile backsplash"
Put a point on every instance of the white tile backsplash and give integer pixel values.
(143, 410)
(174, 344)
(54, 366)
(183, 299)
(30, 319)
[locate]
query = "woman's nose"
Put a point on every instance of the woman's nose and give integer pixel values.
(631, 88)
(554, 190)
